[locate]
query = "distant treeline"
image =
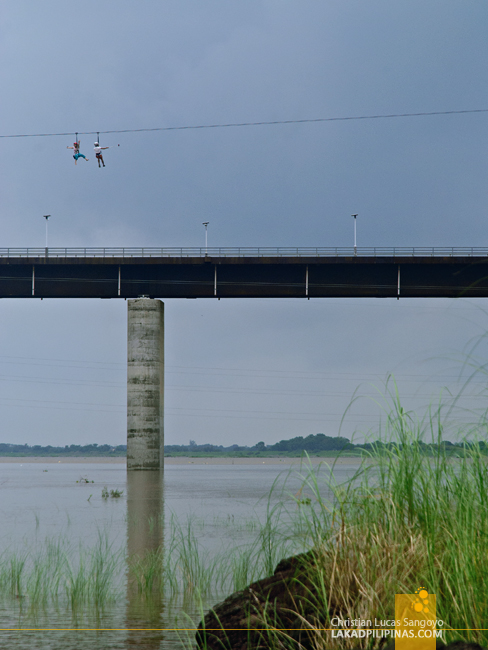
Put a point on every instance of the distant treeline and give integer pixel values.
(312, 443)
(68, 450)
(315, 444)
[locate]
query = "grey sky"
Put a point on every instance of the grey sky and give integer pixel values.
(120, 65)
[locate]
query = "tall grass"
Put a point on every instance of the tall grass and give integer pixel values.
(410, 517)
(56, 571)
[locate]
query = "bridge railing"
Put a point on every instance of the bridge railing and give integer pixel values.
(261, 251)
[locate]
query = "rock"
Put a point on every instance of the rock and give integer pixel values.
(278, 601)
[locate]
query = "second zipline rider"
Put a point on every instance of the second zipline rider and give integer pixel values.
(98, 153)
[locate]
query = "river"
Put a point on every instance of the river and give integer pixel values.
(55, 509)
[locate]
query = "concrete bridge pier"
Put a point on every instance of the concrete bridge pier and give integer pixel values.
(145, 384)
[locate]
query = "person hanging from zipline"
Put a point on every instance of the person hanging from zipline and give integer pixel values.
(98, 153)
(76, 151)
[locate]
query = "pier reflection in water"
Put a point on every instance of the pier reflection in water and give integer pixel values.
(145, 538)
(219, 500)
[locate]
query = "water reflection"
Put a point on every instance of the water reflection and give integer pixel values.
(145, 526)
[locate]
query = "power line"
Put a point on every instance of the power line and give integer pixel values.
(247, 373)
(241, 124)
(278, 416)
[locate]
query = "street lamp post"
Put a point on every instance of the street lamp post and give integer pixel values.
(46, 217)
(205, 223)
(355, 247)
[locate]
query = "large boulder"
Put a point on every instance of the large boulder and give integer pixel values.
(282, 601)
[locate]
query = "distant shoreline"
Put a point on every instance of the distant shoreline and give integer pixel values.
(179, 460)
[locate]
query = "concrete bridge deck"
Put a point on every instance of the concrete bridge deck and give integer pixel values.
(243, 272)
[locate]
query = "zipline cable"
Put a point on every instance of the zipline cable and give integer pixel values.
(241, 124)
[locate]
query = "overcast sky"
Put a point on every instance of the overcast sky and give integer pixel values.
(238, 371)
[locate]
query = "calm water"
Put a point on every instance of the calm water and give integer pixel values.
(37, 505)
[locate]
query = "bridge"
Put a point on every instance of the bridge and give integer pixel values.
(143, 274)
(243, 272)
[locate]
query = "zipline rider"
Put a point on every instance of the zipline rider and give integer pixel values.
(98, 153)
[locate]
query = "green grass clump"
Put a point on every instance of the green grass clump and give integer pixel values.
(114, 494)
(403, 521)
(55, 573)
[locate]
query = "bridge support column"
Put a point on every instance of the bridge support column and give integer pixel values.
(145, 384)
